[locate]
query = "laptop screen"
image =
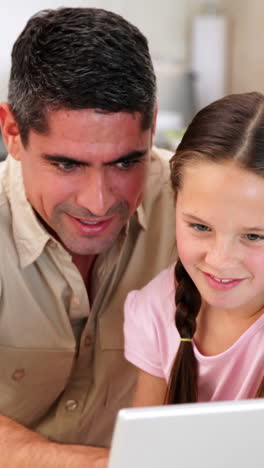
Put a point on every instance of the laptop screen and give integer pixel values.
(200, 435)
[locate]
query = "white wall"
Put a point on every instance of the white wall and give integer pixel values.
(246, 53)
(164, 22)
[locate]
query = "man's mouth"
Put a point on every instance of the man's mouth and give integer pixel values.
(91, 227)
(91, 223)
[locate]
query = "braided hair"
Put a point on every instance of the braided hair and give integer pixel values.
(183, 380)
(260, 391)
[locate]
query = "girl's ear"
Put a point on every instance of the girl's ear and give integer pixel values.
(10, 131)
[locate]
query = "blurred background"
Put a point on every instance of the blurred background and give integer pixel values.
(201, 50)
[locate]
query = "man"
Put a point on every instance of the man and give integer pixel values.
(86, 215)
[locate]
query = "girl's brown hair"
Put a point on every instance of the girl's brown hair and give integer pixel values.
(230, 129)
(260, 392)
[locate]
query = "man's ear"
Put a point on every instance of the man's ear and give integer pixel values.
(10, 131)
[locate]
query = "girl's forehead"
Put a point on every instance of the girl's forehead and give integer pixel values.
(222, 190)
(226, 174)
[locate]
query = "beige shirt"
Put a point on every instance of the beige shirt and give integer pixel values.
(62, 367)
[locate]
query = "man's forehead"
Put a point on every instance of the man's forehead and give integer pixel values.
(93, 117)
(89, 136)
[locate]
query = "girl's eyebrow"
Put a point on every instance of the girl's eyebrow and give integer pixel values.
(60, 158)
(249, 229)
(253, 229)
(194, 218)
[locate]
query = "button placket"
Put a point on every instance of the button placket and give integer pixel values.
(76, 301)
(87, 341)
(53, 244)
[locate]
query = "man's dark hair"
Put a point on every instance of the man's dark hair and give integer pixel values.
(79, 58)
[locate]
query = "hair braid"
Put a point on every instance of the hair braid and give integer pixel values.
(183, 378)
(260, 392)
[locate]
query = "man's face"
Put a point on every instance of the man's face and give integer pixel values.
(86, 177)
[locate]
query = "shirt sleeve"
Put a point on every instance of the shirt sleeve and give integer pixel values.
(141, 339)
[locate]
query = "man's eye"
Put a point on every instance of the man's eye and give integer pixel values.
(126, 163)
(254, 237)
(200, 227)
(66, 166)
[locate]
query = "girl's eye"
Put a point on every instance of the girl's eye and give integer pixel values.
(200, 227)
(254, 237)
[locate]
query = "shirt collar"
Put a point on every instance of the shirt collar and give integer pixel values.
(141, 216)
(30, 236)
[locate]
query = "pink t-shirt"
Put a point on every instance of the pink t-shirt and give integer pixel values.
(151, 342)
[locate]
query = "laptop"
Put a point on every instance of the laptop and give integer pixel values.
(195, 435)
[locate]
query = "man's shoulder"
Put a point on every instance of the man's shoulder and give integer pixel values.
(4, 205)
(162, 153)
(160, 161)
(3, 166)
(158, 194)
(5, 211)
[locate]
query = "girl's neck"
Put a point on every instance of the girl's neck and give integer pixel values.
(219, 329)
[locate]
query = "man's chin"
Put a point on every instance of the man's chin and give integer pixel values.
(88, 248)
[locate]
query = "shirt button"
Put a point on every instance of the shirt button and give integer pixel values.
(71, 405)
(76, 301)
(52, 244)
(87, 341)
(19, 374)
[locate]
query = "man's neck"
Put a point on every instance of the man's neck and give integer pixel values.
(84, 263)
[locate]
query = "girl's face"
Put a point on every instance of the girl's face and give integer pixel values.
(220, 234)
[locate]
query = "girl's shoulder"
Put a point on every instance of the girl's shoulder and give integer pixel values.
(162, 284)
(157, 298)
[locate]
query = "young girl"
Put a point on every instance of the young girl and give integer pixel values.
(216, 328)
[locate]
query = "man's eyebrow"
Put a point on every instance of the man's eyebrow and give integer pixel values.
(59, 158)
(129, 157)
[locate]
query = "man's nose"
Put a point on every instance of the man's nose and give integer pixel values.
(95, 193)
